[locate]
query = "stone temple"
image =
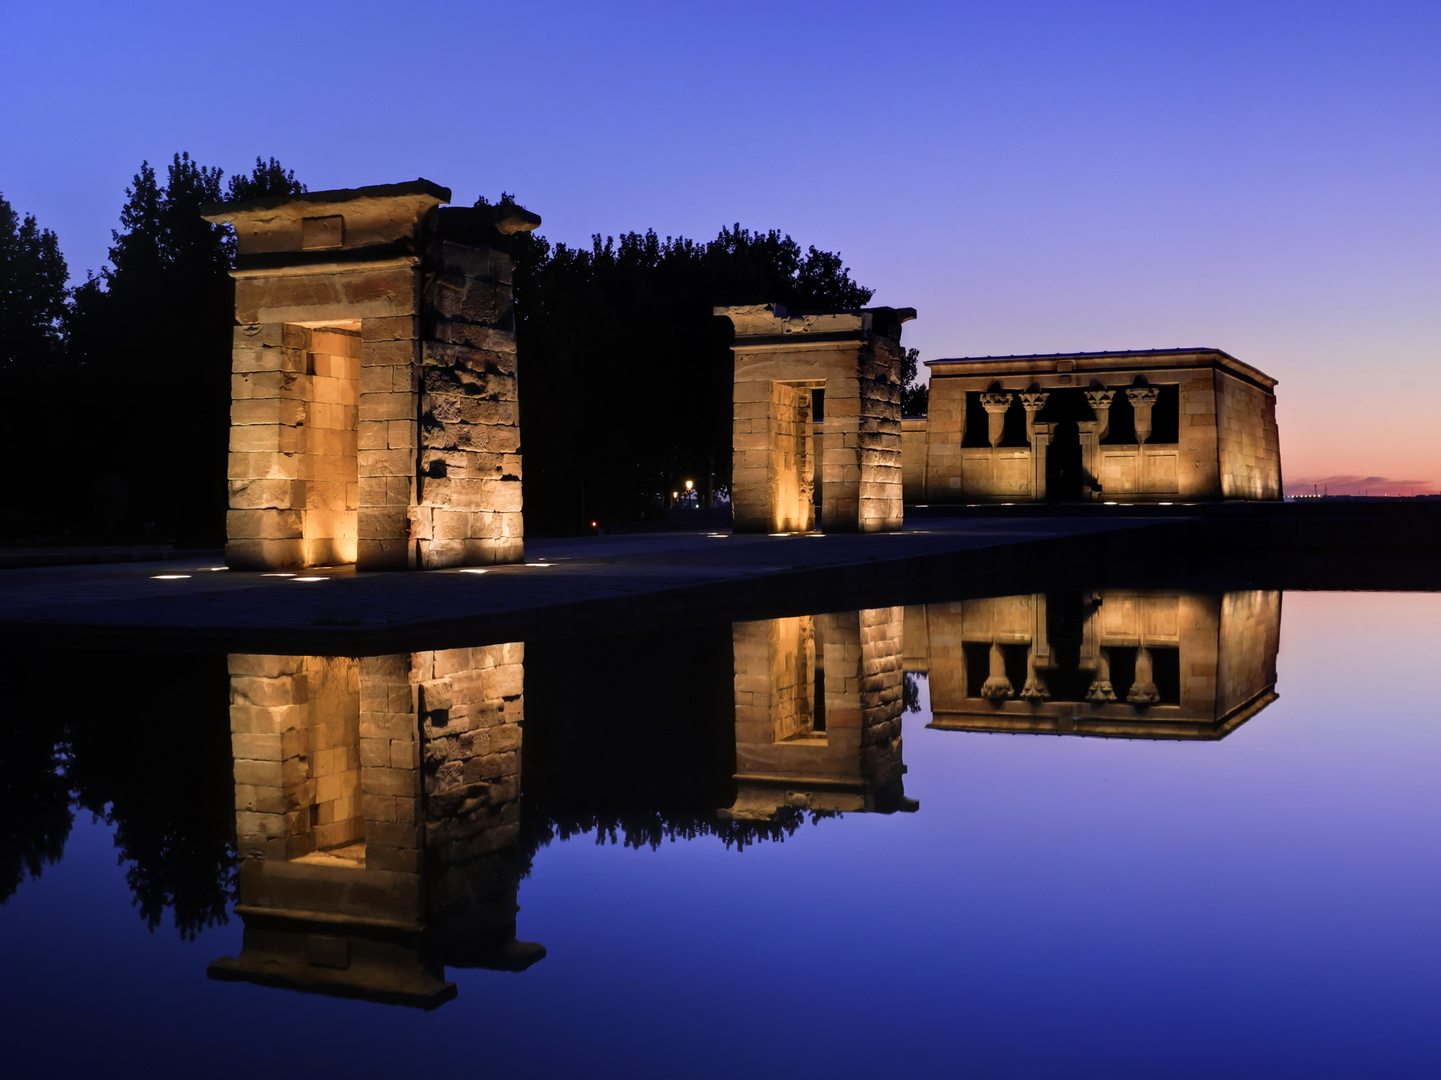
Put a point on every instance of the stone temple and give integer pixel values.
(1157, 426)
(374, 417)
(817, 435)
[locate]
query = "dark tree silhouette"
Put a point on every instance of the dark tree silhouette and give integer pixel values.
(152, 335)
(35, 815)
(625, 375)
(33, 298)
(915, 395)
(33, 291)
(267, 178)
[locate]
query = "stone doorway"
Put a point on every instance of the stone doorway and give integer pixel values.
(1065, 478)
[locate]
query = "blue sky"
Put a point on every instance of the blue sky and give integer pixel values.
(1259, 177)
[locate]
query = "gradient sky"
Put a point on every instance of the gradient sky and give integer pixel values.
(1033, 177)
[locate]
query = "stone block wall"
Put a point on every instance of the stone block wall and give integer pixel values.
(789, 674)
(1250, 446)
(1156, 469)
(854, 357)
(469, 507)
(374, 414)
(1250, 637)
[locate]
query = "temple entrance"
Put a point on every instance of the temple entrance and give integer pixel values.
(1066, 480)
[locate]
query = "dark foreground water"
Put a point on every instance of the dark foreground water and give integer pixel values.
(723, 861)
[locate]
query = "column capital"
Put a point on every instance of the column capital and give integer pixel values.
(1142, 395)
(1100, 399)
(996, 401)
(1034, 401)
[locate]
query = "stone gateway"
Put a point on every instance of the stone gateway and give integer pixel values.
(373, 417)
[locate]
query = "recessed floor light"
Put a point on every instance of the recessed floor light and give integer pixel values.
(537, 564)
(168, 577)
(310, 579)
(472, 570)
(213, 569)
(277, 575)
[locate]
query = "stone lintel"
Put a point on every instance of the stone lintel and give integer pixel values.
(1081, 366)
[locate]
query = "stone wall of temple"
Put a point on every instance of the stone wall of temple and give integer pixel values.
(1169, 426)
(1250, 443)
(374, 414)
(469, 506)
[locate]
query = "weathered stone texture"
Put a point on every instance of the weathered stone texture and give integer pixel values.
(359, 377)
(848, 462)
(818, 703)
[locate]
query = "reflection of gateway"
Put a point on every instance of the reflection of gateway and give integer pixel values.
(1127, 663)
(377, 818)
(818, 714)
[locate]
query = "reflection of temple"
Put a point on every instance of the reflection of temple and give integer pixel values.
(818, 714)
(1128, 663)
(377, 816)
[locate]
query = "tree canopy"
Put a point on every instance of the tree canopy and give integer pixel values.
(625, 375)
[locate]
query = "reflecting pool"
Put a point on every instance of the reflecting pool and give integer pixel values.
(1117, 832)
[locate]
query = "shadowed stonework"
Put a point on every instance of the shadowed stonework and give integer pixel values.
(1171, 425)
(374, 416)
(817, 435)
(1128, 663)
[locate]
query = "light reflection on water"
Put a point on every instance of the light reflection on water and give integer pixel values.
(1229, 882)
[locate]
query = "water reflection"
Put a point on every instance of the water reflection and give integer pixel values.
(384, 814)
(1116, 662)
(377, 820)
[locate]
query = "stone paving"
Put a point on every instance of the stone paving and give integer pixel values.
(565, 586)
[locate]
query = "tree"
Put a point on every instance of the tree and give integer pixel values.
(267, 178)
(625, 375)
(152, 334)
(33, 290)
(915, 395)
(33, 297)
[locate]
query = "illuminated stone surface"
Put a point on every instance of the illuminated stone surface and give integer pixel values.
(787, 462)
(818, 714)
(374, 417)
(1163, 426)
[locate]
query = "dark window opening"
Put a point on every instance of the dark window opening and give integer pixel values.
(818, 713)
(977, 656)
(818, 405)
(977, 426)
(1166, 673)
(1166, 416)
(1014, 433)
(1122, 423)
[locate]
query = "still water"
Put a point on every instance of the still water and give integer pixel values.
(1125, 833)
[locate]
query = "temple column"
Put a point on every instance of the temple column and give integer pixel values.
(1142, 398)
(1041, 435)
(996, 403)
(1092, 432)
(997, 687)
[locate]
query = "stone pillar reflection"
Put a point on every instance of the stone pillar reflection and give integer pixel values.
(378, 809)
(1035, 690)
(818, 703)
(998, 685)
(1142, 399)
(996, 404)
(1143, 690)
(1101, 691)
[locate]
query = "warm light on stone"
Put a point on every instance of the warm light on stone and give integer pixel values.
(374, 415)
